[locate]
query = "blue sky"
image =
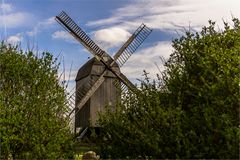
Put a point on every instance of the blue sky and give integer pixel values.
(109, 23)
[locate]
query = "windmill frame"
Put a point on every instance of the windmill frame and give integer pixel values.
(121, 56)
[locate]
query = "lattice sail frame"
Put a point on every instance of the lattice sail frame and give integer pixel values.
(132, 44)
(82, 37)
(120, 57)
(79, 34)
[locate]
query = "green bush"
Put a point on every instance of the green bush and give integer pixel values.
(32, 107)
(191, 111)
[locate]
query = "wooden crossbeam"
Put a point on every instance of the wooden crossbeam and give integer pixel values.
(120, 57)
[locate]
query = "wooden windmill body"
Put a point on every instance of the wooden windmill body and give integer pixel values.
(106, 94)
(96, 80)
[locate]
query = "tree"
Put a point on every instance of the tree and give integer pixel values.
(191, 111)
(204, 80)
(32, 107)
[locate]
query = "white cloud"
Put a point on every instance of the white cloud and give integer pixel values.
(146, 59)
(171, 15)
(33, 32)
(111, 37)
(14, 20)
(164, 15)
(6, 7)
(63, 35)
(103, 22)
(47, 23)
(16, 39)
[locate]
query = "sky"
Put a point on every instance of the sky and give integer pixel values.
(109, 23)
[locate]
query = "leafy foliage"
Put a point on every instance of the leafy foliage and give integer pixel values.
(32, 107)
(191, 111)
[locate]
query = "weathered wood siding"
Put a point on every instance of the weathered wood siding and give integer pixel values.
(106, 94)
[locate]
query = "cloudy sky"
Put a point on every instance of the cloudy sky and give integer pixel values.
(109, 23)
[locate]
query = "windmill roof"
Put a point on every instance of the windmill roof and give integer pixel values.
(86, 69)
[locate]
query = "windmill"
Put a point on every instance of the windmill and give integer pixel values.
(95, 80)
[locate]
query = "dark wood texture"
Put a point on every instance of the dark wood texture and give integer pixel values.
(106, 94)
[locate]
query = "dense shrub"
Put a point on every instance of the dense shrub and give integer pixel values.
(191, 111)
(32, 107)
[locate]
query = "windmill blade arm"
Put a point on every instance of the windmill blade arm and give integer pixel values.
(90, 92)
(128, 83)
(125, 80)
(132, 44)
(64, 20)
(97, 84)
(121, 76)
(121, 50)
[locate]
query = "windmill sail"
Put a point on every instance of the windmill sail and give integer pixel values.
(79, 35)
(132, 44)
(98, 83)
(85, 93)
(120, 57)
(88, 94)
